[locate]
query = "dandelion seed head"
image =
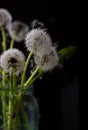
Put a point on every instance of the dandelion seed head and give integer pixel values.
(19, 29)
(38, 41)
(5, 17)
(12, 58)
(37, 24)
(48, 61)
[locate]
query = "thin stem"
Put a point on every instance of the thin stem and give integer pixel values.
(25, 69)
(3, 78)
(4, 39)
(10, 114)
(12, 41)
(14, 82)
(1, 70)
(31, 77)
(4, 104)
(36, 77)
(16, 120)
(11, 78)
(25, 118)
(10, 101)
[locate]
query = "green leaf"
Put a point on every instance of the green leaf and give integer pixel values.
(66, 53)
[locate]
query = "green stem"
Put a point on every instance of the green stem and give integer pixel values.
(25, 118)
(4, 104)
(36, 77)
(16, 120)
(4, 39)
(12, 41)
(10, 108)
(25, 69)
(1, 70)
(31, 77)
(10, 113)
(14, 82)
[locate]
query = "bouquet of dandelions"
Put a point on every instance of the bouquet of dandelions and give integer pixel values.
(14, 67)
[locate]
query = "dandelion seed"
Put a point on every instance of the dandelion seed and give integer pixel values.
(19, 29)
(38, 41)
(12, 58)
(5, 18)
(48, 61)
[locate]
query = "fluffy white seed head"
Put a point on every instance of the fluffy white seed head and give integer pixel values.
(38, 41)
(37, 24)
(19, 29)
(5, 18)
(48, 61)
(12, 58)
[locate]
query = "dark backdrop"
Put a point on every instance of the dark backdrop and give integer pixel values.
(57, 93)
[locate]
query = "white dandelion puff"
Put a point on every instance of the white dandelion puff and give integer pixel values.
(12, 58)
(37, 24)
(38, 41)
(48, 61)
(19, 29)
(5, 18)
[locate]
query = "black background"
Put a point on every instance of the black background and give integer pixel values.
(57, 93)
